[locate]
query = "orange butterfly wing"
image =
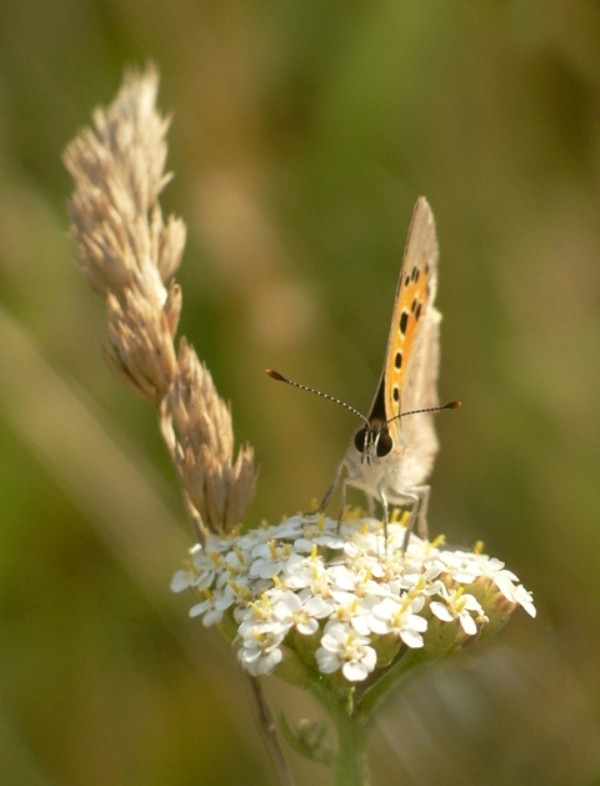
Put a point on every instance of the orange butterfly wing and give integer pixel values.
(412, 341)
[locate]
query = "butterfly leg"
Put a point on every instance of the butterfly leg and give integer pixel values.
(329, 493)
(419, 496)
(386, 517)
(422, 494)
(342, 499)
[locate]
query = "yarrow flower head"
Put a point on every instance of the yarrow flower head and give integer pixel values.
(302, 599)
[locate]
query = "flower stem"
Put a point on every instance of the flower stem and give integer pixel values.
(350, 767)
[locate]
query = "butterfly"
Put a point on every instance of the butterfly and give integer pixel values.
(390, 458)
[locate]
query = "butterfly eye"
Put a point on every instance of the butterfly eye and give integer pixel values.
(384, 444)
(359, 439)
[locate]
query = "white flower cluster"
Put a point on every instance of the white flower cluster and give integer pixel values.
(342, 600)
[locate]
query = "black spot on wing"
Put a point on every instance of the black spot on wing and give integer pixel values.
(403, 322)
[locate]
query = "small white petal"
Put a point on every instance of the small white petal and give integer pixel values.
(411, 638)
(468, 624)
(441, 611)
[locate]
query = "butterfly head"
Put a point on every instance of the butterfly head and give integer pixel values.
(373, 439)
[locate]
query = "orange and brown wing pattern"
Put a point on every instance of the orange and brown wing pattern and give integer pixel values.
(415, 292)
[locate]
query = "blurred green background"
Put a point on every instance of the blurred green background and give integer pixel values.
(303, 133)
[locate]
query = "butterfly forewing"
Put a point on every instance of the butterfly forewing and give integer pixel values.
(415, 293)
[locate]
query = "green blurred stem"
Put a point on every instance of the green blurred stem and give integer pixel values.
(351, 762)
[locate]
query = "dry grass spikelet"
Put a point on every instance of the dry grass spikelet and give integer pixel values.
(129, 254)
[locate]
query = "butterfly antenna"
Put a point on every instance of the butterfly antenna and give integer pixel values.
(449, 405)
(280, 378)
